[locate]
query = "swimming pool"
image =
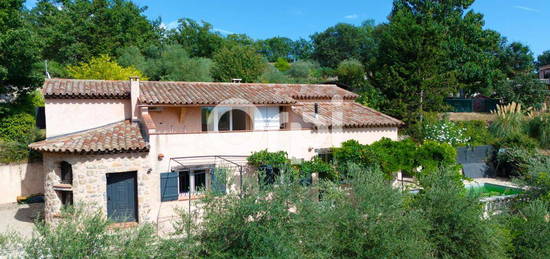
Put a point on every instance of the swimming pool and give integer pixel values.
(488, 189)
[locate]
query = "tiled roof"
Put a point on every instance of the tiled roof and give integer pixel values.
(95, 89)
(184, 93)
(210, 93)
(113, 138)
(345, 114)
(313, 91)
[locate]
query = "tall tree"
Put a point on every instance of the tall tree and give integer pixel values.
(516, 59)
(237, 62)
(342, 41)
(77, 30)
(19, 51)
(103, 68)
(543, 59)
(276, 47)
(199, 40)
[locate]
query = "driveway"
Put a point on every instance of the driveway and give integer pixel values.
(19, 218)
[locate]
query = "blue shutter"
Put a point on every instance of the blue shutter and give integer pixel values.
(169, 186)
(218, 183)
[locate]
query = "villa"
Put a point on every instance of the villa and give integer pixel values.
(130, 147)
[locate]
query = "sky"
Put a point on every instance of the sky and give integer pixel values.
(526, 21)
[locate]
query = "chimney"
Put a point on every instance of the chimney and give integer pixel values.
(134, 95)
(236, 80)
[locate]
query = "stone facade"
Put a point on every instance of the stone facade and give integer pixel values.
(89, 185)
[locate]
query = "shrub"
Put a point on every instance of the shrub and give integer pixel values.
(432, 155)
(395, 156)
(510, 121)
(518, 140)
(282, 64)
(17, 127)
(286, 221)
(266, 158)
(511, 162)
(316, 165)
(458, 229)
(539, 129)
(530, 231)
(445, 131)
(88, 235)
(476, 132)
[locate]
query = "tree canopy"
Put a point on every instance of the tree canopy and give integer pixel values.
(237, 62)
(103, 68)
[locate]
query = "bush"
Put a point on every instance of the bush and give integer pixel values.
(371, 220)
(432, 155)
(282, 64)
(17, 127)
(530, 231)
(393, 156)
(82, 235)
(266, 158)
(476, 132)
(458, 229)
(316, 165)
(445, 131)
(507, 124)
(518, 140)
(539, 129)
(512, 162)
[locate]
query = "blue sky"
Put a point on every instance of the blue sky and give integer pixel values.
(526, 21)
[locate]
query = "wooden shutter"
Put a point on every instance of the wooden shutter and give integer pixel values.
(169, 186)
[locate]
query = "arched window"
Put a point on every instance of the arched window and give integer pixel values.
(234, 119)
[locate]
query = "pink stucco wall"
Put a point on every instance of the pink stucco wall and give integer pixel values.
(168, 119)
(71, 115)
(297, 143)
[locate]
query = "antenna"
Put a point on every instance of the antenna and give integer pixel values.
(47, 73)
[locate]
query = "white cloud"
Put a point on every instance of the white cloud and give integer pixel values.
(223, 31)
(170, 25)
(528, 9)
(351, 16)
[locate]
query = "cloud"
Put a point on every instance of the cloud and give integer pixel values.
(351, 16)
(223, 31)
(170, 25)
(528, 9)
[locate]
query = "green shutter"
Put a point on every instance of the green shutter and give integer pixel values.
(169, 186)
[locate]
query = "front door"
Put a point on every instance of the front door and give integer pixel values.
(122, 197)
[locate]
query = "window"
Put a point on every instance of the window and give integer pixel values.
(267, 118)
(325, 154)
(66, 173)
(224, 119)
(206, 119)
(194, 180)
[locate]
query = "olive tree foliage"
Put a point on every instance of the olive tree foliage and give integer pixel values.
(19, 51)
(167, 62)
(237, 62)
(198, 39)
(370, 219)
(458, 229)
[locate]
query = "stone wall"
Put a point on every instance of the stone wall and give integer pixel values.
(20, 179)
(90, 182)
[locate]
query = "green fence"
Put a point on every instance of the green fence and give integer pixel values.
(472, 104)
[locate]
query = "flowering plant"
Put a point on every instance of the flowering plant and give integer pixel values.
(445, 131)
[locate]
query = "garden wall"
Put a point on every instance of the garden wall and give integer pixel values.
(20, 179)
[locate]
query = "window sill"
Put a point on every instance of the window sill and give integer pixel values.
(63, 187)
(193, 197)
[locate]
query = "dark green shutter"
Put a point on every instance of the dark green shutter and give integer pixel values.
(168, 186)
(217, 184)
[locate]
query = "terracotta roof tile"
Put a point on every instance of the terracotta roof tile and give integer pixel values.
(346, 114)
(184, 93)
(96, 89)
(118, 137)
